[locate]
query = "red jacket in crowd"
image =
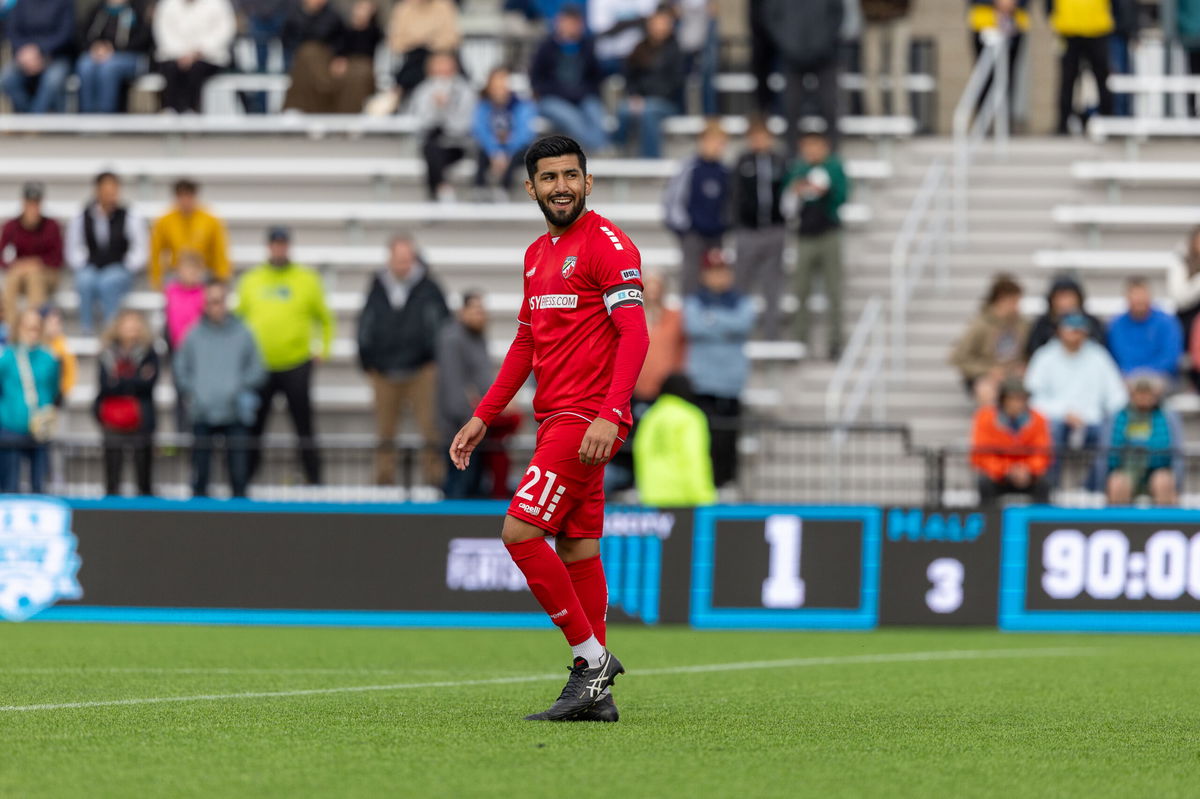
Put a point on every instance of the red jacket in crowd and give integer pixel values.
(44, 241)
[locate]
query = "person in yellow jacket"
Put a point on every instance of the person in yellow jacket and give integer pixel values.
(1008, 18)
(1084, 26)
(284, 306)
(188, 228)
(672, 463)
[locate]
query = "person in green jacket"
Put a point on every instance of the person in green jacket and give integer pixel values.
(28, 384)
(284, 306)
(671, 461)
(815, 189)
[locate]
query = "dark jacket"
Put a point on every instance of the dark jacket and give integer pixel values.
(130, 375)
(1046, 327)
(570, 72)
(361, 42)
(655, 71)
(806, 32)
(464, 374)
(399, 339)
(126, 28)
(49, 24)
(757, 186)
(697, 199)
(325, 27)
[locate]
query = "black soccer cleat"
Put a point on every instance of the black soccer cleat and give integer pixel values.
(583, 689)
(603, 709)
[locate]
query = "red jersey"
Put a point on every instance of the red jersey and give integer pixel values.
(582, 328)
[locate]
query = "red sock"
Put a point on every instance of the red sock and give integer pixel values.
(587, 576)
(551, 586)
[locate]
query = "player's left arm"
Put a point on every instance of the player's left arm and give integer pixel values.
(617, 272)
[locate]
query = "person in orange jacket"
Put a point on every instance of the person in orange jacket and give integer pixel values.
(1011, 448)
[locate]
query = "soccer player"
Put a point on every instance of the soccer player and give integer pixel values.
(582, 332)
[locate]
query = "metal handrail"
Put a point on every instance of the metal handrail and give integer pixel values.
(992, 66)
(866, 330)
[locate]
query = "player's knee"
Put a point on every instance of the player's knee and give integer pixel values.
(515, 531)
(574, 549)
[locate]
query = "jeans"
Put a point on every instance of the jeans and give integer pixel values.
(263, 31)
(583, 121)
(703, 64)
(101, 82)
(649, 122)
(237, 456)
(1121, 64)
(41, 94)
(14, 446)
(1060, 434)
(108, 286)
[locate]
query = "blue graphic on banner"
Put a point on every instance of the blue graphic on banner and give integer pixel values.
(38, 560)
(632, 553)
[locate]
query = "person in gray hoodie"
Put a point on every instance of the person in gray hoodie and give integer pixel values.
(464, 374)
(218, 370)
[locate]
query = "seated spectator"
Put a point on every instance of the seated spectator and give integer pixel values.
(665, 355)
(700, 43)
(29, 389)
(672, 459)
(1076, 385)
(696, 204)
(41, 34)
(125, 404)
(503, 128)
(418, 29)
(1183, 288)
(1064, 297)
(993, 347)
(106, 245)
(115, 41)
(464, 374)
(315, 34)
(1011, 447)
(1145, 337)
(618, 25)
(444, 106)
(263, 23)
(31, 254)
(759, 230)
(1144, 447)
(653, 85)
(397, 332)
(354, 67)
(188, 227)
(718, 321)
(55, 340)
(565, 76)
(193, 41)
(218, 372)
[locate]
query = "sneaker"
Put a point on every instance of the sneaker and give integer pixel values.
(584, 687)
(604, 709)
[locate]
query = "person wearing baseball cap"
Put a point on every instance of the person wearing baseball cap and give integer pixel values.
(31, 254)
(1011, 448)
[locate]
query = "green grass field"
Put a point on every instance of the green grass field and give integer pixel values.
(896, 713)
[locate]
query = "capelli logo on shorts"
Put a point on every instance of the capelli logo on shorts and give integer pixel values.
(532, 510)
(545, 302)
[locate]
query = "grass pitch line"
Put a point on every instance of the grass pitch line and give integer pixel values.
(834, 660)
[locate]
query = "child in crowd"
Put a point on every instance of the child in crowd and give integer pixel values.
(184, 307)
(54, 338)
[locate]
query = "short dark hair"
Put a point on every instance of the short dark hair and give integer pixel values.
(471, 295)
(1136, 282)
(186, 186)
(1003, 285)
(106, 175)
(553, 147)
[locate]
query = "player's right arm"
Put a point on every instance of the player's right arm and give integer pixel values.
(518, 363)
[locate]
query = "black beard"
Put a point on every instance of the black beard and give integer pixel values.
(561, 218)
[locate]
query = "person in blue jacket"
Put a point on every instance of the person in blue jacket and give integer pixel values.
(42, 36)
(503, 128)
(29, 383)
(1145, 337)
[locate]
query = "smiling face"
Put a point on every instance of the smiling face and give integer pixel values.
(560, 189)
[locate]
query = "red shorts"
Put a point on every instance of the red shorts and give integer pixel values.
(558, 493)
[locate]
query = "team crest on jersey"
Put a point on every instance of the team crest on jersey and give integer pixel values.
(568, 267)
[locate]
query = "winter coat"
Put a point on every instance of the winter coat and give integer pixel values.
(218, 369)
(397, 334)
(996, 447)
(805, 32)
(990, 341)
(1085, 383)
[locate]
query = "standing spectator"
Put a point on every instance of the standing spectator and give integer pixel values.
(444, 106)
(1085, 26)
(565, 76)
(664, 357)
(718, 321)
(41, 34)
(815, 189)
(464, 374)
(764, 56)
(653, 85)
(1064, 297)
(806, 35)
(759, 232)
(397, 332)
(354, 67)
(1187, 29)
(700, 42)
(283, 304)
(619, 26)
(315, 34)
(993, 347)
(673, 464)
(417, 30)
(1144, 447)
(115, 40)
(1011, 447)
(55, 340)
(106, 244)
(886, 27)
(1125, 32)
(264, 21)
(1145, 337)
(31, 254)
(503, 128)
(697, 204)
(184, 307)
(188, 227)
(29, 381)
(1183, 288)
(125, 405)
(218, 371)
(193, 40)
(1075, 385)
(1007, 18)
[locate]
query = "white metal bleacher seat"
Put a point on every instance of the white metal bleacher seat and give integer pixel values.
(1097, 217)
(1104, 260)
